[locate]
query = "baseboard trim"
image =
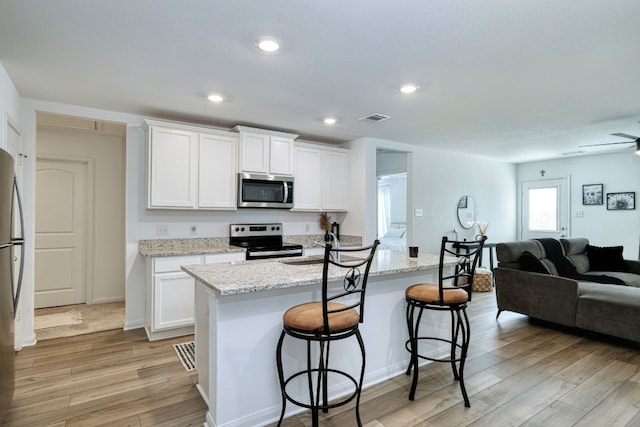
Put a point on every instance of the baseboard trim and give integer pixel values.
(130, 325)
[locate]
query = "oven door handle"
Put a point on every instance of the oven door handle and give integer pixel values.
(275, 252)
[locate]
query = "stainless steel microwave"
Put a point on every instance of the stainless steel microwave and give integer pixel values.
(265, 191)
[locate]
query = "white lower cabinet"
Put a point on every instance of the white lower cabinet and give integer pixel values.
(171, 293)
(173, 301)
(170, 297)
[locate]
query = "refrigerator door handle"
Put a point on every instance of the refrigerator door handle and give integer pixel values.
(16, 190)
(18, 242)
(19, 286)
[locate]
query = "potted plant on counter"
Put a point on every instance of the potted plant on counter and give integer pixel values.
(325, 224)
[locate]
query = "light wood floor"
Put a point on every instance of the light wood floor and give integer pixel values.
(519, 373)
(112, 378)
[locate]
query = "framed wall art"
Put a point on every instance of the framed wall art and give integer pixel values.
(621, 201)
(592, 194)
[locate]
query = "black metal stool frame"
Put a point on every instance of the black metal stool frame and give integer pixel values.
(462, 278)
(354, 282)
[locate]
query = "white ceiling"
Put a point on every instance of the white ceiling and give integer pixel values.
(510, 80)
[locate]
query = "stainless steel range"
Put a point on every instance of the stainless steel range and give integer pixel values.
(262, 241)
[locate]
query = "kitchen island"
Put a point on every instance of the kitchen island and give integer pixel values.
(238, 312)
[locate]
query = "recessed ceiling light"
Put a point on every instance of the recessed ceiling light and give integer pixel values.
(408, 88)
(214, 97)
(267, 45)
(329, 121)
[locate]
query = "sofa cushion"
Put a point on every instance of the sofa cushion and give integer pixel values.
(574, 245)
(629, 279)
(529, 262)
(509, 254)
(605, 258)
(574, 248)
(609, 309)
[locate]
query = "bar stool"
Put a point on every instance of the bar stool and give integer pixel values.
(451, 293)
(334, 318)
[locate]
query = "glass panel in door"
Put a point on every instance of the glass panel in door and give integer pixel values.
(545, 209)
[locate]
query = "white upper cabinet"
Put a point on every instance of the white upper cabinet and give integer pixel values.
(173, 156)
(335, 188)
(254, 152)
(190, 167)
(281, 154)
(308, 175)
(217, 171)
(265, 151)
(321, 178)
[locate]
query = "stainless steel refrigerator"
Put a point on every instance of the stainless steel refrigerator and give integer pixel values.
(11, 249)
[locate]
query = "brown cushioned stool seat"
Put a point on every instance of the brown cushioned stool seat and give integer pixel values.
(430, 293)
(308, 317)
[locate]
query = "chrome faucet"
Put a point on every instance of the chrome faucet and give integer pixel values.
(336, 244)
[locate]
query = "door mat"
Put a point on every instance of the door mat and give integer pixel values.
(73, 317)
(187, 354)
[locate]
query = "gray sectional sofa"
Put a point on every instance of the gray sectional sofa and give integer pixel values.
(528, 282)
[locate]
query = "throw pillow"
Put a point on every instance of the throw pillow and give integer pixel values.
(608, 258)
(529, 262)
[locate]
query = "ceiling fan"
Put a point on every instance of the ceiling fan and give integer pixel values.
(634, 139)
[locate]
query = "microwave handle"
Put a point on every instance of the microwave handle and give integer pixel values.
(286, 192)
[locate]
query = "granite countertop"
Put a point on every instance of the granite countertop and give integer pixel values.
(262, 275)
(180, 247)
(218, 245)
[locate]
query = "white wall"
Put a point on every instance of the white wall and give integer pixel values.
(436, 181)
(618, 172)
(9, 99)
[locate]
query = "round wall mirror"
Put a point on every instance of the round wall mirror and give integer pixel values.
(467, 212)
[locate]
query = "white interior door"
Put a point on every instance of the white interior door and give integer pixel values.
(545, 208)
(61, 232)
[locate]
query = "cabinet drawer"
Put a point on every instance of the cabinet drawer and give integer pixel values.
(164, 265)
(225, 257)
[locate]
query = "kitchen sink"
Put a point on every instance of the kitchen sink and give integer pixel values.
(316, 260)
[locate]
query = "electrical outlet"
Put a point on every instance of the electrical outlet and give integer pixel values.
(306, 228)
(193, 230)
(417, 212)
(162, 230)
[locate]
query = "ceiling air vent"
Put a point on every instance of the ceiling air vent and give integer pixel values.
(374, 118)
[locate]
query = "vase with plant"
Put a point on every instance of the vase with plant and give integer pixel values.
(482, 228)
(325, 224)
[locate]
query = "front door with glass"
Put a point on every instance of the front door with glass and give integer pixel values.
(545, 209)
